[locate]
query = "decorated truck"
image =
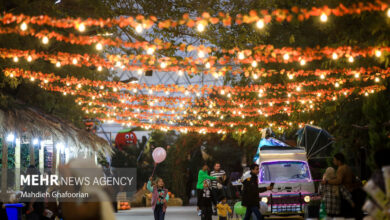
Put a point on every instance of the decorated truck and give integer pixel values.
(288, 169)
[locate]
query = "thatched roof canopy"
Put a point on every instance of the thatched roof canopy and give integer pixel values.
(31, 122)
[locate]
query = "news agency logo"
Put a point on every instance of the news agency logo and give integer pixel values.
(55, 180)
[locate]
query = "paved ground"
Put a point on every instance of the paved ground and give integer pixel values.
(173, 213)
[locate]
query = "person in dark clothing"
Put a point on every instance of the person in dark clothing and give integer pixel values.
(205, 201)
(250, 196)
(347, 178)
(35, 207)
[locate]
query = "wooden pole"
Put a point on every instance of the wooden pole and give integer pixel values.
(32, 152)
(41, 158)
(4, 171)
(17, 163)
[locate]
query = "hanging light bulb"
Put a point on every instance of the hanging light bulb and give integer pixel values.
(81, 27)
(254, 63)
(260, 24)
(322, 76)
(74, 61)
(357, 75)
(140, 71)
(378, 53)
(163, 65)
(350, 59)
(298, 88)
(388, 12)
(291, 76)
(334, 56)
(286, 56)
(16, 59)
(99, 46)
(150, 50)
(58, 64)
(377, 79)
(180, 72)
(200, 27)
(29, 59)
(255, 76)
(45, 40)
(23, 26)
(32, 79)
(337, 84)
(208, 65)
(229, 95)
(201, 54)
(241, 56)
(139, 28)
(302, 62)
(99, 68)
(323, 17)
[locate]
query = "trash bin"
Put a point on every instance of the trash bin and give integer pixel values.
(14, 211)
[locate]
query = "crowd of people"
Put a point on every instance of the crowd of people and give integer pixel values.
(340, 190)
(341, 193)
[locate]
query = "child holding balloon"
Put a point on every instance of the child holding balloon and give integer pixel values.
(160, 198)
(160, 194)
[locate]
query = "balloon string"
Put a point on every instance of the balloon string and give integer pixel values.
(155, 165)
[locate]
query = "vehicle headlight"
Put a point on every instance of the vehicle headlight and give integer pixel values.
(306, 199)
(264, 199)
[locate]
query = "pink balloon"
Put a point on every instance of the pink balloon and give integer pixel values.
(159, 154)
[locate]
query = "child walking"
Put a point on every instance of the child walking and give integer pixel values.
(205, 201)
(160, 198)
(223, 209)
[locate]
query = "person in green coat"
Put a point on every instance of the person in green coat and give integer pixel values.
(202, 176)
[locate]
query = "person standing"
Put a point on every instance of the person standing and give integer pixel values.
(202, 176)
(331, 194)
(250, 196)
(217, 187)
(160, 198)
(205, 201)
(346, 178)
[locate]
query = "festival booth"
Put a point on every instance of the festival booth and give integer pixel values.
(32, 137)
